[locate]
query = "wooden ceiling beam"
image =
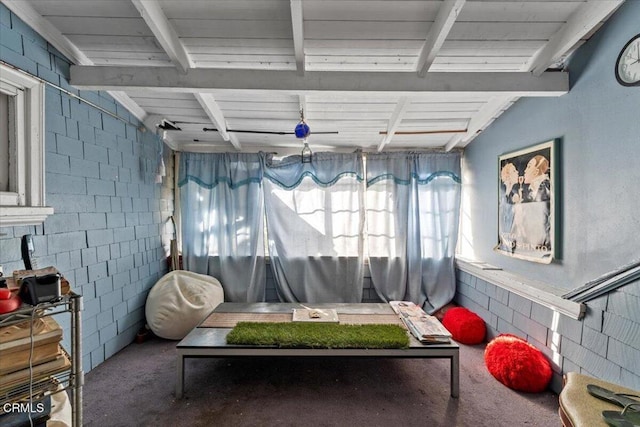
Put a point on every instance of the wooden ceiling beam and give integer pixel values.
(447, 15)
(157, 21)
(579, 24)
(169, 79)
(394, 121)
(210, 106)
(42, 26)
(483, 118)
(46, 29)
(297, 25)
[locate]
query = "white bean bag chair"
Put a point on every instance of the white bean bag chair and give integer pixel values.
(179, 301)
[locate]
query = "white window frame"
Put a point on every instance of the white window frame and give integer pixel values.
(24, 203)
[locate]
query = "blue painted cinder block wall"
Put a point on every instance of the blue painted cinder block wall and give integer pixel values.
(109, 235)
(598, 123)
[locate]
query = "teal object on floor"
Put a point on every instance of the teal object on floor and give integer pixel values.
(629, 417)
(620, 399)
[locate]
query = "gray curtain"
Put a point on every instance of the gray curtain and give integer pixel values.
(315, 220)
(222, 213)
(413, 204)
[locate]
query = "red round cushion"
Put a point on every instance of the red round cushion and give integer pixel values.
(465, 326)
(517, 364)
(9, 305)
(5, 293)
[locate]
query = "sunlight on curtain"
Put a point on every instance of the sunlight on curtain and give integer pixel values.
(315, 226)
(222, 221)
(413, 202)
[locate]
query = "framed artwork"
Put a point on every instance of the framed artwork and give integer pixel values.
(526, 206)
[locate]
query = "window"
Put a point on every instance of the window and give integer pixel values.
(22, 192)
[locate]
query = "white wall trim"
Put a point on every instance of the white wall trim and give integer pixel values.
(11, 216)
(25, 203)
(536, 291)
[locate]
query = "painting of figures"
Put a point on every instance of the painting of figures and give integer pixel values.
(526, 204)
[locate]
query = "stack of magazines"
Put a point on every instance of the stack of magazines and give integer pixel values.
(30, 354)
(425, 328)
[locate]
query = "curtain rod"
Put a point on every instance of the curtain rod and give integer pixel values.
(61, 89)
(293, 150)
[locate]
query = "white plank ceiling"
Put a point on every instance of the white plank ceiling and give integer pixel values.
(369, 74)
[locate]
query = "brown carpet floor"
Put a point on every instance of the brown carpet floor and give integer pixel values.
(136, 388)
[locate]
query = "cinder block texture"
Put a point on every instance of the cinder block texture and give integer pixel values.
(604, 343)
(88, 238)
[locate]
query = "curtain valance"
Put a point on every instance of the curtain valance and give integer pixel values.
(402, 167)
(325, 169)
(210, 169)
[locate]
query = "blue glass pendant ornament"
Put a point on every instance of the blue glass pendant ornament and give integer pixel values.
(302, 130)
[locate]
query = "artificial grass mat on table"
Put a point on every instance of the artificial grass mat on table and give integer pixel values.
(318, 335)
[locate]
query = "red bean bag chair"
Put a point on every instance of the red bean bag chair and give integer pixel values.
(517, 364)
(465, 326)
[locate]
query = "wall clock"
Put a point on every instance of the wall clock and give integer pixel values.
(628, 63)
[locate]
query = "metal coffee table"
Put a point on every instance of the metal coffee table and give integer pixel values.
(207, 341)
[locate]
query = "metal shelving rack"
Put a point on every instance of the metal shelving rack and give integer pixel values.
(71, 379)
